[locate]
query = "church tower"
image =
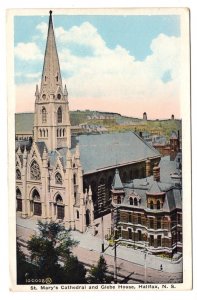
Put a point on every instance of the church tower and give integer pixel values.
(51, 118)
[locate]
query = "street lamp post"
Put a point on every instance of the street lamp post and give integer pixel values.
(145, 264)
(145, 257)
(114, 210)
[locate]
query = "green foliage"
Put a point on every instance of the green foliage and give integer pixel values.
(51, 256)
(74, 271)
(98, 273)
(24, 269)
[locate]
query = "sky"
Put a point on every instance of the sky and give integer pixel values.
(126, 64)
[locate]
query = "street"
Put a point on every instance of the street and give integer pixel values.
(130, 262)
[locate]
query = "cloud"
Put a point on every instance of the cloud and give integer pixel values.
(112, 79)
(28, 51)
(42, 28)
(36, 75)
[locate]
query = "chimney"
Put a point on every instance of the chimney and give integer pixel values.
(148, 167)
(156, 173)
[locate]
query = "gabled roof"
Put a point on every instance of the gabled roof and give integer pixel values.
(154, 188)
(41, 146)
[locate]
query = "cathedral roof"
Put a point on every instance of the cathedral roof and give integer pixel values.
(98, 152)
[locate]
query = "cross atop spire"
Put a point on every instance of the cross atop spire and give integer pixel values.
(51, 76)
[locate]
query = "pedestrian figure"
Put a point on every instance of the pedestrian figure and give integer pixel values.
(161, 268)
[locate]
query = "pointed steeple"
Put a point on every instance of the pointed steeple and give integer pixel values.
(117, 183)
(51, 76)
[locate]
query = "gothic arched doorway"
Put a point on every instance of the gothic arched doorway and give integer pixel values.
(18, 200)
(37, 206)
(60, 207)
(87, 217)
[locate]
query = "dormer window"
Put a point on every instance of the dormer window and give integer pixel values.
(135, 201)
(119, 200)
(151, 204)
(131, 200)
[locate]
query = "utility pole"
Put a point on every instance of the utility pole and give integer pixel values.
(102, 235)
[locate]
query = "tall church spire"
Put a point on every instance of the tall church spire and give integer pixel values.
(51, 76)
(51, 118)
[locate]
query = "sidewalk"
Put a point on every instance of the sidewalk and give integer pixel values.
(93, 243)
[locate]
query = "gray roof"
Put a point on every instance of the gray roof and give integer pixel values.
(102, 151)
(173, 197)
(24, 122)
(41, 146)
(117, 183)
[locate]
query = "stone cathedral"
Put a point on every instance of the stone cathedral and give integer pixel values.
(68, 179)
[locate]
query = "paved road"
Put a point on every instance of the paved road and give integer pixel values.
(130, 262)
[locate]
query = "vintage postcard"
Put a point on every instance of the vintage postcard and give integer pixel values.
(99, 149)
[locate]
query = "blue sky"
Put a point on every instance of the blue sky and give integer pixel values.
(134, 33)
(135, 40)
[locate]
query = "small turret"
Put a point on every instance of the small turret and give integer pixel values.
(25, 153)
(117, 190)
(19, 150)
(37, 92)
(65, 91)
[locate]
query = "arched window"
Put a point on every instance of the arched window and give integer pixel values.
(35, 171)
(18, 174)
(43, 132)
(58, 178)
(60, 207)
(59, 199)
(63, 132)
(59, 115)
(77, 214)
(40, 133)
(44, 115)
(57, 132)
(74, 178)
(151, 204)
(35, 196)
(135, 201)
(47, 132)
(158, 204)
(131, 200)
(60, 132)
(119, 200)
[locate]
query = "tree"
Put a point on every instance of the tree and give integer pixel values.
(74, 271)
(98, 274)
(51, 249)
(25, 270)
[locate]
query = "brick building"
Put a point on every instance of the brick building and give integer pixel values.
(148, 213)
